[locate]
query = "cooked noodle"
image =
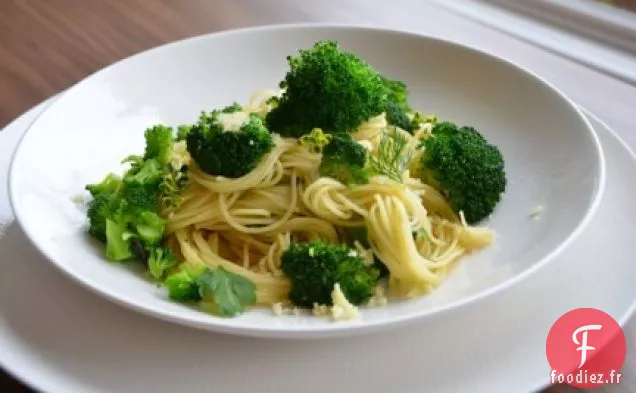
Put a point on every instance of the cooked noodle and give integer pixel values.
(245, 224)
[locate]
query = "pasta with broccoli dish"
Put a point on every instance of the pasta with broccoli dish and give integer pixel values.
(328, 194)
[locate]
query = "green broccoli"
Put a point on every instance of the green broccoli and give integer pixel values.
(396, 116)
(182, 285)
(463, 166)
(138, 196)
(108, 186)
(118, 240)
(221, 148)
(329, 89)
(149, 226)
(335, 91)
(419, 119)
(397, 107)
(159, 144)
(100, 208)
(171, 189)
(345, 160)
(147, 172)
(446, 127)
(315, 267)
(116, 222)
(123, 213)
(182, 132)
(160, 260)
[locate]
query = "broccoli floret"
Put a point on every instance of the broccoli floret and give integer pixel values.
(125, 217)
(118, 240)
(345, 160)
(419, 119)
(397, 93)
(159, 144)
(124, 212)
(182, 132)
(120, 215)
(315, 267)
(160, 259)
(329, 89)
(235, 107)
(147, 173)
(109, 185)
(229, 143)
(100, 208)
(315, 141)
(446, 127)
(182, 285)
(396, 116)
(149, 226)
(171, 189)
(463, 166)
(138, 197)
(397, 106)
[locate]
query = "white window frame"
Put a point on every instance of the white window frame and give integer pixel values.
(595, 34)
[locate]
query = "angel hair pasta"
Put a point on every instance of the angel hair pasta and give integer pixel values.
(323, 196)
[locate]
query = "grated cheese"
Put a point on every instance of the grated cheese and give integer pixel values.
(379, 298)
(365, 254)
(342, 309)
(180, 155)
(233, 121)
(320, 310)
(280, 310)
(366, 144)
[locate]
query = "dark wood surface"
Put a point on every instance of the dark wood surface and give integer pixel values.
(48, 45)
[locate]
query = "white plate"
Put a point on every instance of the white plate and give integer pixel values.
(60, 338)
(552, 157)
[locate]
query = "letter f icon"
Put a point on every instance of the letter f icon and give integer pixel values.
(584, 347)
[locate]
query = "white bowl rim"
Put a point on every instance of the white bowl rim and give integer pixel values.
(222, 325)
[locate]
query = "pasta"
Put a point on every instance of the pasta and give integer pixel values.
(244, 224)
(329, 194)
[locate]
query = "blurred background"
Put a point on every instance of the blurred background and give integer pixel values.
(626, 4)
(48, 45)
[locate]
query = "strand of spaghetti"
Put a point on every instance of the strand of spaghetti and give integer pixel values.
(392, 241)
(371, 130)
(432, 199)
(196, 213)
(269, 289)
(246, 255)
(268, 228)
(271, 260)
(313, 226)
(214, 243)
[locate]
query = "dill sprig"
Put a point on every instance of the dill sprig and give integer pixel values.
(392, 158)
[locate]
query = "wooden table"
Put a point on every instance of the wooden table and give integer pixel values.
(47, 45)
